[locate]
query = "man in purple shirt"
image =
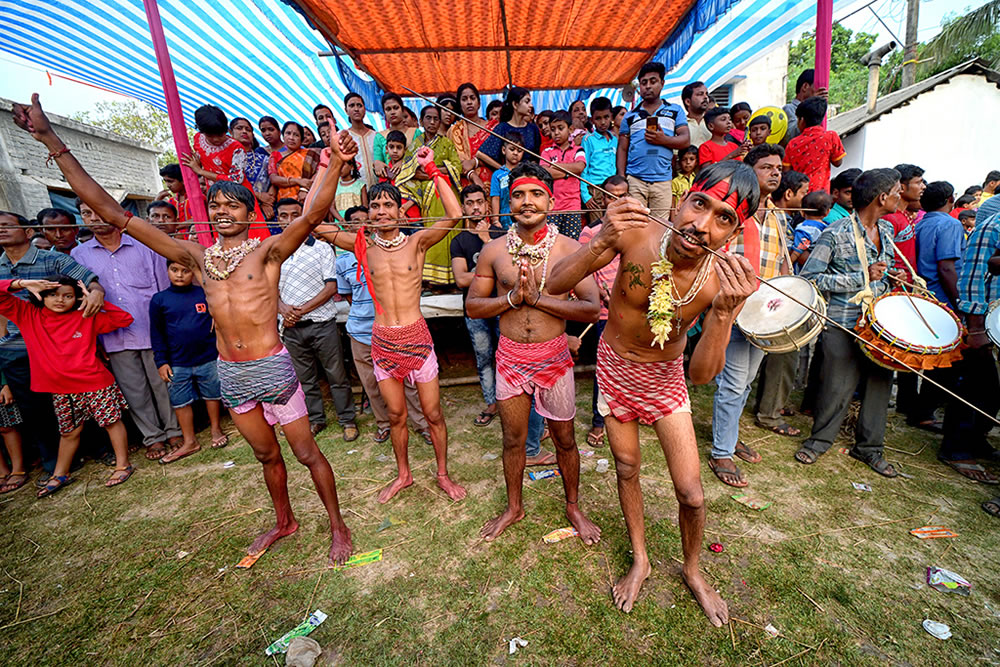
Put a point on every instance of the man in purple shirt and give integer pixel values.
(131, 274)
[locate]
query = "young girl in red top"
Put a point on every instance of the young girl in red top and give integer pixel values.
(62, 354)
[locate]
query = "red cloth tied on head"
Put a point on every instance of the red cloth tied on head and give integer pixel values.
(361, 252)
(724, 192)
(531, 180)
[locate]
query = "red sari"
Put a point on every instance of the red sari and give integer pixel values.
(228, 163)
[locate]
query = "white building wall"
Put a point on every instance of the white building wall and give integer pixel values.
(123, 167)
(949, 131)
(764, 80)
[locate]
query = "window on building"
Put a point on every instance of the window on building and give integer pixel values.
(723, 96)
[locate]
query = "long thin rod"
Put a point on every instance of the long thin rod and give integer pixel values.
(669, 226)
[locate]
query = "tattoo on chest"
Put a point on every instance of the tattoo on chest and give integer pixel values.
(635, 275)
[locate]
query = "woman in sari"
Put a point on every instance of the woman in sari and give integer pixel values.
(416, 186)
(308, 136)
(255, 166)
(271, 131)
(516, 114)
(468, 138)
(293, 167)
(395, 119)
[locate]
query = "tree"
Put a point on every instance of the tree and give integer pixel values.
(975, 35)
(848, 77)
(134, 120)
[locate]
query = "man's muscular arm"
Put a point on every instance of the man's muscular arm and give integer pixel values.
(320, 196)
(33, 120)
(453, 211)
(623, 214)
(736, 282)
(479, 304)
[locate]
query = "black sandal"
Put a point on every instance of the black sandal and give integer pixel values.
(806, 456)
(994, 504)
(878, 464)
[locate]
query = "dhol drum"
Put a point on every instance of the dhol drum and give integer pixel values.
(775, 323)
(993, 322)
(893, 327)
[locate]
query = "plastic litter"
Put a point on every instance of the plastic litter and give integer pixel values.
(229, 464)
(352, 451)
(932, 532)
(861, 487)
(771, 631)
(947, 581)
(752, 503)
(301, 630)
(586, 452)
(389, 522)
(716, 547)
(490, 456)
(360, 559)
(602, 465)
(543, 474)
(560, 534)
(383, 458)
(939, 630)
(516, 643)
(182, 554)
(302, 652)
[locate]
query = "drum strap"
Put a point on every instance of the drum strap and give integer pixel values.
(917, 280)
(865, 296)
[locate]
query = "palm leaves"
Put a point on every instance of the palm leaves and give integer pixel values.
(962, 37)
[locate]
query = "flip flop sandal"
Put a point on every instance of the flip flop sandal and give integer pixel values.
(787, 412)
(963, 468)
(382, 435)
(547, 459)
(485, 418)
(747, 454)
(218, 443)
(9, 487)
(164, 462)
(595, 439)
(49, 489)
(806, 456)
(734, 471)
(156, 451)
(992, 507)
(113, 481)
(878, 464)
(426, 435)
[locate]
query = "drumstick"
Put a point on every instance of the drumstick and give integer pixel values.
(919, 314)
(584, 332)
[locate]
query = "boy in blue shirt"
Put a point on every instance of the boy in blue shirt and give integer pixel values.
(512, 152)
(601, 149)
(816, 206)
(182, 334)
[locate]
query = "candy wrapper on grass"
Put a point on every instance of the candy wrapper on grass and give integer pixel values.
(301, 630)
(947, 581)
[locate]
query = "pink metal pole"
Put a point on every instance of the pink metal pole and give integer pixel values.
(196, 200)
(824, 39)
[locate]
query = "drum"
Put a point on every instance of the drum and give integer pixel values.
(892, 326)
(775, 323)
(993, 322)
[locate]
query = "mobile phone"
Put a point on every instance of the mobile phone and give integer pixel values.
(652, 123)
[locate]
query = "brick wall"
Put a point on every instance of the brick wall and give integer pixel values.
(123, 167)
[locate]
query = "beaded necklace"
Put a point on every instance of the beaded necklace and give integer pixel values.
(399, 240)
(664, 301)
(535, 254)
(230, 257)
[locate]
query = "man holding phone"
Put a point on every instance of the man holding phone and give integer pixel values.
(647, 139)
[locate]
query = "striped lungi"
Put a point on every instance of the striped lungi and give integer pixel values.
(647, 391)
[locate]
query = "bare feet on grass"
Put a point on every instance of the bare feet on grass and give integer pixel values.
(397, 485)
(454, 491)
(711, 602)
(272, 536)
(589, 532)
(342, 547)
(626, 589)
(492, 528)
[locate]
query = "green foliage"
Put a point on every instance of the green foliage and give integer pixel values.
(848, 77)
(134, 120)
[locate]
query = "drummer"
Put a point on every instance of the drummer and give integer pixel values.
(743, 359)
(848, 276)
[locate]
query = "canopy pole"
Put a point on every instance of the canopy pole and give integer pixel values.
(192, 186)
(824, 40)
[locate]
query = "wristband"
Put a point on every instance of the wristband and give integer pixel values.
(128, 217)
(52, 156)
(511, 303)
(537, 299)
(432, 170)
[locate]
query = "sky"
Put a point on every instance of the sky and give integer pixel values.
(19, 78)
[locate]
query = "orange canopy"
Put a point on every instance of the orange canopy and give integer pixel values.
(432, 46)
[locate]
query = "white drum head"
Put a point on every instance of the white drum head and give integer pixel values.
(768, 311)
(895, 315)
(993, 322)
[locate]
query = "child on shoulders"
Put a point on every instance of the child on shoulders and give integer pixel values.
(816, 206)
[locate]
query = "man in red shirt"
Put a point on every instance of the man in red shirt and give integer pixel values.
(814, 149)
(904, 220)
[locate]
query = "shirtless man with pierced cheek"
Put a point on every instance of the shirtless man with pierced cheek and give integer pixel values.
(640, 366)
(533, 358)
(240, 277)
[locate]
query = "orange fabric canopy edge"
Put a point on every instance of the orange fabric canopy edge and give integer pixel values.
(432, 47)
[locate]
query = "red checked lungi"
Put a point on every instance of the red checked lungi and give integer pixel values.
(542, 369)
(401, 352)
(647, 391)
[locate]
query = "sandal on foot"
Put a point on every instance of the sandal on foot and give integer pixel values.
(426, 435)
(992, 507)
(171, 457)
(121, 478)
(965, 469)
(596, 437)
(717, 467)
(545, 435)
(351, 433)
(484, 418)
(9, 486)
(784, 429)
(156, 451)
(382, 435)
(806, 456)
(50, 487)
(745, 453)
(542, 458)
(222, 441)
(877, 463)
(787, 412)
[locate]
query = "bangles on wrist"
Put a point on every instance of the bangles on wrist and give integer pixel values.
(511, 303)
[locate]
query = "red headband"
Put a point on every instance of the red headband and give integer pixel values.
(723, 192)
(530, 180)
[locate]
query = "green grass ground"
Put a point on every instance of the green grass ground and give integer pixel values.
(833, 569)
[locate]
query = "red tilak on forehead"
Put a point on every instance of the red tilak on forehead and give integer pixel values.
(721, 191)
(530, 180)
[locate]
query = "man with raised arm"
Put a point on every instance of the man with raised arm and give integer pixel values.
(665, 281)
(240, 277)
(533, 357)
(402, 348)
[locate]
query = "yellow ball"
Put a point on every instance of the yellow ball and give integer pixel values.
(779, 122)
